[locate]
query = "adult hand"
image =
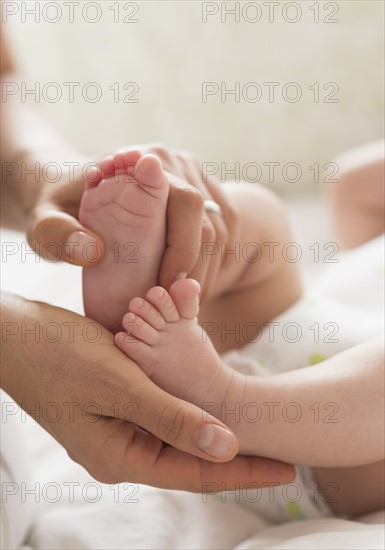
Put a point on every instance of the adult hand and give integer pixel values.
(108, 415)
(194, 236)
(53, 228)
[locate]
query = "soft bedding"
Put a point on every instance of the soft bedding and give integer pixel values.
(128, 516)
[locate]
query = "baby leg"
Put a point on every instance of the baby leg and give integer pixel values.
(358, 490)
(328, 416)
(257, 281)
(358, 204)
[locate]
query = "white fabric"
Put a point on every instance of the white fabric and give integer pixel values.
(15, 472)
(301, 499)
(344, 308)
(131, 516)
(165, 519)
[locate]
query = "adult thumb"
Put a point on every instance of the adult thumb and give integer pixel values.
(186, 427)
(55, 235)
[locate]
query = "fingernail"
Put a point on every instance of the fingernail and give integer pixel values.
(83, 248)
(216, 441)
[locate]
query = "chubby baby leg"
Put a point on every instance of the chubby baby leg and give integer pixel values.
(257, 280)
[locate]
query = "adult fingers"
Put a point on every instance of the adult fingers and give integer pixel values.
(114, 452)
(183, 425)
(184, 229)
(214, 232)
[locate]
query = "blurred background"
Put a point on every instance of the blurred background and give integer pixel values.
(167, 50)
(152, 61)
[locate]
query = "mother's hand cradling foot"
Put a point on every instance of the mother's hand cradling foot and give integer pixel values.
(113, 419)
(197, 235)
(132, 418)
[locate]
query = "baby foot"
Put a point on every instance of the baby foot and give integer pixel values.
(163, 337)
(127, 208)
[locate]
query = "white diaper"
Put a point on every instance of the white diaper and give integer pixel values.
(300, 499)
(344, 308)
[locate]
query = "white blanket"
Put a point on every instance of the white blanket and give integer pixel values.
(128, 516)
(75, 512)
(68, 510)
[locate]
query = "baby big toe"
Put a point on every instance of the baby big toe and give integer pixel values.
(185, 294)
(150, 172)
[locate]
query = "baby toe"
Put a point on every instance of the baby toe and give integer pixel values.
(107, 167)
(185, 294)
(129, 160)
(137, 327)
(147, 312)
(163, 302)
(150, 172)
